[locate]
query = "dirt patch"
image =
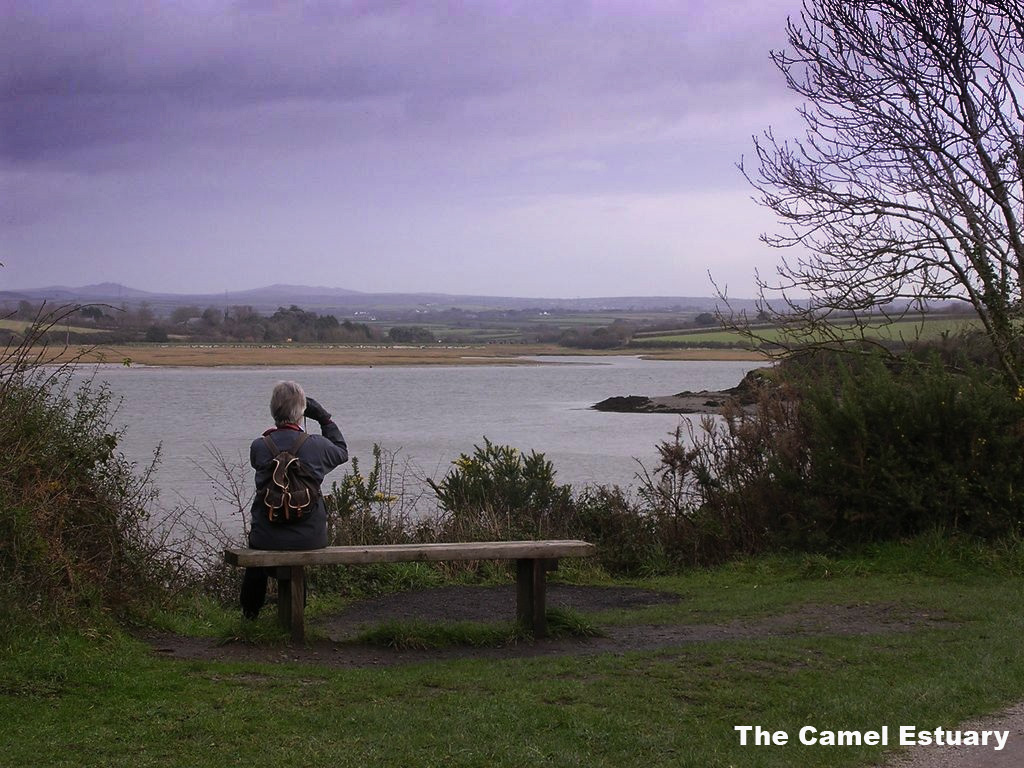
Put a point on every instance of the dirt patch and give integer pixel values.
(480, 604)
(454, 603)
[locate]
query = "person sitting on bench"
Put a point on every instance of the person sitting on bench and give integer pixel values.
(318, 454)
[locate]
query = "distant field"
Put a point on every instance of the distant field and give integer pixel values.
(904, 330)
(20, 325)
(521, 328)
(483, 335)
(14, 325)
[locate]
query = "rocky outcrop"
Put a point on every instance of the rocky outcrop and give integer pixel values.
(709, 401)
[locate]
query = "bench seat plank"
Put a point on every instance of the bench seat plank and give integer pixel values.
(395, 553)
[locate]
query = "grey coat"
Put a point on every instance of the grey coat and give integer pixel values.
(320, 454)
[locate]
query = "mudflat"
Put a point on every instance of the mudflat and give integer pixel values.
(275, 355)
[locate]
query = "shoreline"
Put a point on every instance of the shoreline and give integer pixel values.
(284, 355)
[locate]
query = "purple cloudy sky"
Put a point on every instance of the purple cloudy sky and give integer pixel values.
(542, 148)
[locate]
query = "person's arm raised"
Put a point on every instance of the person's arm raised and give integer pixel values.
(330, 430)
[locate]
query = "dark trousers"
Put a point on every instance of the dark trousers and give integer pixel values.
(254, 590)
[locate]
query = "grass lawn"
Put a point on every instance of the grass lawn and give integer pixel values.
(88, 698)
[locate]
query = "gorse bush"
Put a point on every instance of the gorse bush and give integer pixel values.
(496, 493)
(499, 492)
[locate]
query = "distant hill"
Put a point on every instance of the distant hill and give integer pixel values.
(95, 291)
(345, 301)
(278, 290)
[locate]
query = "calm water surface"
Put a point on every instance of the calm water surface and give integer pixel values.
(428, 415)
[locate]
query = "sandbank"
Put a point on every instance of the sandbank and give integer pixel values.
(208, 355)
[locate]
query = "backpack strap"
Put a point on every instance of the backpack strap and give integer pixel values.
(274, 450)
(294, 450)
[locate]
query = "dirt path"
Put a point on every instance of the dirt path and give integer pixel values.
(933, 756)
(455, 603)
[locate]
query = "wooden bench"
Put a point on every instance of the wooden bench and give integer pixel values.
(533, 560)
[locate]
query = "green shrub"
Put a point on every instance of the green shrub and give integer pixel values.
(500, 493)
(627, 539)
(73, 510)
(848, 450)
(900, 451)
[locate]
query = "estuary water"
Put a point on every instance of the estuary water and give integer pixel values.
(426, 415)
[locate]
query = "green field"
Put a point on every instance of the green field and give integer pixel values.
(905, 330)
(19, 326)
(947, 648)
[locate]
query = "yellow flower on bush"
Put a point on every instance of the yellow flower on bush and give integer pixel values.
(1020, 394)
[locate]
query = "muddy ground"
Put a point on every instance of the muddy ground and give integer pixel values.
(463, 603)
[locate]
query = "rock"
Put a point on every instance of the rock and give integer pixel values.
(744, 394)
(627, 404)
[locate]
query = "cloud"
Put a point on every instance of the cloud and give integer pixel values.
(83, 75)
(131, 132)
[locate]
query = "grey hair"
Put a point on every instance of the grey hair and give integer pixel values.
(287, 403)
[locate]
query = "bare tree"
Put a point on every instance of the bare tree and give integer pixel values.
(908, 185)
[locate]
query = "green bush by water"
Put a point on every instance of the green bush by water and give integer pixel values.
(853, 450)
(73, 510)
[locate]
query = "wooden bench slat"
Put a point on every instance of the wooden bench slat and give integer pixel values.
(393, 553)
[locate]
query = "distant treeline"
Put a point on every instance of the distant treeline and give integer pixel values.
(108, 324)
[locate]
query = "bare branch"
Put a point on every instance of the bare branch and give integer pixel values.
(907, 186)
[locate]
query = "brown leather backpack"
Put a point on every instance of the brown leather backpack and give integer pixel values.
(293, 491)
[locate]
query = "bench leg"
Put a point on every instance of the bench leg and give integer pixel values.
(530, 587)
(291, 600)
